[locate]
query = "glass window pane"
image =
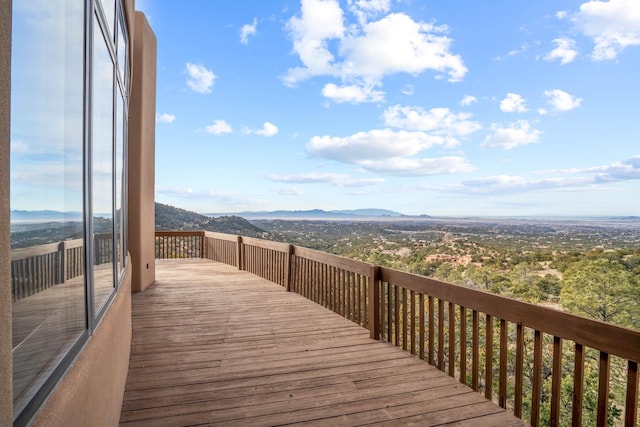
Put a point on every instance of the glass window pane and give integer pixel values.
(48, 288)
(102, 169)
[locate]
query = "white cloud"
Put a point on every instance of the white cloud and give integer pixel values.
(561, 14)
(398, 44)
(387, 151)
(335, 179)
(352, 93)
(514, 135)
(468, 100)
(565, 50)
(513, 103)
(268, 130)
(320, 21)
(419, 167)
(627, 170)
(372, 145)
(367, 9)
(612, 25)
(309, 178)
(362, 53)
(561, 100)
(248, 30)
(408, 90)
(361, 182)
(289, 191)
(219, 127)
(19, 147)
(506, 184)
(437, 121)
(558, 180)
(522, 49)
(165, 118)
(199, 78)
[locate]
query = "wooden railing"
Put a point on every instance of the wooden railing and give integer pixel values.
(513, 352)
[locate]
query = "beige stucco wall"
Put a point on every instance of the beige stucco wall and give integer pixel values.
(142, 117)
(91, 392)
(6, 364)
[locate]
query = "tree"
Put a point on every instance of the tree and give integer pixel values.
(600, 288)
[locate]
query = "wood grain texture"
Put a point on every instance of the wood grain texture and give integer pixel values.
(216, 346)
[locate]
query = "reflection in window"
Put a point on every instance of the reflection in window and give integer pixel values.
(122, 52)
(102, 169)
(109, 9)
(120, 180)
(47, 258)
(53, 143)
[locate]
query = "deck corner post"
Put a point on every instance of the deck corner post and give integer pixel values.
(239, 253)
(289, 278)
(374, 302)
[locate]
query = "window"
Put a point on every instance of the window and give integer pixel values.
(102, 160)
(68, 183)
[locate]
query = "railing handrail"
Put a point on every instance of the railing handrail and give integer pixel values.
(607, 337)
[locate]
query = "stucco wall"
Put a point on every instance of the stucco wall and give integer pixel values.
(6, 365)
(90, 394)
(142, 123)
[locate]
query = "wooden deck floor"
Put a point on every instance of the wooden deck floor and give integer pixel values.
(215, 346)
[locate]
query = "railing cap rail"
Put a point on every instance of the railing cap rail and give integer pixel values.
(602, 336)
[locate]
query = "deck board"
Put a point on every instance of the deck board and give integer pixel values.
(215, 346)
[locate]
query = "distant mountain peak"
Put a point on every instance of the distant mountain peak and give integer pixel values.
(320, 214)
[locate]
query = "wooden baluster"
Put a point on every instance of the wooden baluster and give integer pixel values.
(631, 406)
(405, 310)
(396, 315)
(374, 301)
(537, 379)
(431, 332)
(488, 372)
(475, 350)
(578, 385)
(603, 389)
(502, 392)
(452, 340)
(412, 297)
(421, 327)
(440, 334)
(517, 410)
(463, 345)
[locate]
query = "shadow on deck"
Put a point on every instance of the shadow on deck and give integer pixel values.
(214, 345)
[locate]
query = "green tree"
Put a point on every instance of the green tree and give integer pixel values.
(600, 288)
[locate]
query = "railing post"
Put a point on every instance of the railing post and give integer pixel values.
(289, 268)
(374, 302)
(239, 253)
(202, 244)
(61, 262)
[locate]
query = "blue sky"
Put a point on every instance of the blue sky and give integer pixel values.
(423, 107)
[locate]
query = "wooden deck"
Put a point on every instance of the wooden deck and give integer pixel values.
(216, 346)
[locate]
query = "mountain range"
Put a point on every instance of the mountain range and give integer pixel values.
(319, 214)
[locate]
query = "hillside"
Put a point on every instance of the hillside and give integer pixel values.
(171, 218)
